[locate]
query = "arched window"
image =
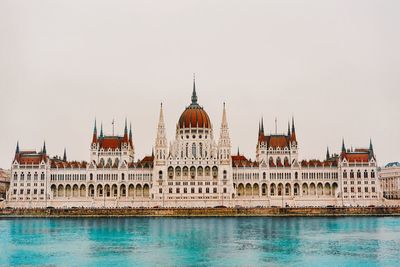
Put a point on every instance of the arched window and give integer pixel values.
(372, 174)
(187, 150)
(123, 176)
(42, 176)
(194, 150)
(225, 174)
(91, 176)
(365, 174)
(15, 176)
(170, 172)
(358, 174)
(344, 174)
(296, 175)
(160, 175)
(201, 149)
(264, 175)
(29, 176)
(35, 176)
(351, 174)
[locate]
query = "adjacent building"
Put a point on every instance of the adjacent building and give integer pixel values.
(390, 180)
(195, 169)
(4, 182)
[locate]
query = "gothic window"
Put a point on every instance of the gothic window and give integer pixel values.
(351, 174)
(29, 176)
(35, 176)
(365, 174)
(160, 175)
(215, 172)
(358, 174)
(345, 174)
(200, 171)
(192, 172)
(185, 171)
(264, 175)
(194, 150)
(187, 150)
(207, 169)
(225, 174)
(201, 150)
(170, 172)
(296, 175)
(286, 161)
(372, 174)
(15, 176)
(109, 162)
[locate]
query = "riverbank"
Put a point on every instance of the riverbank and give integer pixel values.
(203, 212)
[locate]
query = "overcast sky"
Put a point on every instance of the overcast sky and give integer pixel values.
(333, 65)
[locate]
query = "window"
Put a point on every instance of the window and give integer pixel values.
(185, 190)
(207, 190)
(296, 175)
(170, 190)
(194, 150)
(372, 174)
(214, 190)
(160, 190)
(358, 174)
(200, 190)
(225, 174)
(160, 175)
(192, 190)
(365, 174)
(264, 175)
(345, 174)
(351, 174)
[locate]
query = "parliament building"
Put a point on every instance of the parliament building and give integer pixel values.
(196, 169)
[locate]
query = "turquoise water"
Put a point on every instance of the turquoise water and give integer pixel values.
(348, 241)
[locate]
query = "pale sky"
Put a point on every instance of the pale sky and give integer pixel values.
(333, 65)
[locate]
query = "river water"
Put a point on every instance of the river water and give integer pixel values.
(247, 241)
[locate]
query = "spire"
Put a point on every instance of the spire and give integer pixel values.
(130, 133)
(343, 146)
(371, 148)
(152, 152)
(224, 120)
(65, 155)
(94, 138)
(327, 153)
(17, 148)
(293, 129)
(238, 152)
(194, 95)
(126, 132)
(161, 117)
(101, 130)
(44, 147)
(288, 128)
(293, 133)
(262, 125)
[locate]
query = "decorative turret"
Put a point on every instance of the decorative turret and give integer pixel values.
(65, 155)
(44, 148)
(343, 146)
(130, 135)
(126, 140)
(293, 133)
(327, 153)
(17, 148)
(101, 130)
(94, 138)
(161, 140)
(224, 144)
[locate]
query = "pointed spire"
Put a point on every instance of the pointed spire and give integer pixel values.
(238, 152)
(101, 130)
(259, 128)
(152, 152)
(262, 125)
(194, 95)
(371, 148)
(65, 155)
(288, 128)
(293, 128)
(94, 138)
(343, 146)
(126, 127)
(327, 153)
(17, 148)
(224, 120)
(44, 148)
(130, 133)
(161, 118)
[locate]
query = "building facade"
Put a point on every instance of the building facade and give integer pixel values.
(389, 177)
(195, 169)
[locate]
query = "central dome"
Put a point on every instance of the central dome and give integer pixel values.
(194, 115)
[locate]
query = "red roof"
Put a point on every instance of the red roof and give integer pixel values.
(194, 116)
(275, 141)
(30, 157)
(242, 161)
(111, 142)
(356, 156)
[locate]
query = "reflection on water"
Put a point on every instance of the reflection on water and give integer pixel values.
(351, 241)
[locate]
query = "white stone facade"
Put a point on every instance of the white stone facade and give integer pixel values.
(194, 170)
(389, 177)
